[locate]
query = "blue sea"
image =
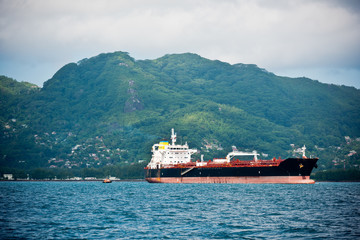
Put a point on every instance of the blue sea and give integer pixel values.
(139, 210)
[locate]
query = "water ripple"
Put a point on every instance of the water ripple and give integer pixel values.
(126, 210)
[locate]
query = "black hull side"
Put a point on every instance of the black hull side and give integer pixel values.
(289, 167)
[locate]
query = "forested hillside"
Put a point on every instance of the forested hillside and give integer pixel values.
(108, 111)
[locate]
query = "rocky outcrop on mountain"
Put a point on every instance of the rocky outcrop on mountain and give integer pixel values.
(133, 103)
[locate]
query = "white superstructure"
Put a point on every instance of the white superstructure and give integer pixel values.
(165, 154)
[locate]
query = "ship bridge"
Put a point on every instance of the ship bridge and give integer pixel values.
(165, 154)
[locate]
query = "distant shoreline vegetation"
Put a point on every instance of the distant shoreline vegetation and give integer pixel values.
(337, 175)
(134, 171)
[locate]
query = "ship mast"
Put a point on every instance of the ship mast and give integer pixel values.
(303, 151)
(173, 137)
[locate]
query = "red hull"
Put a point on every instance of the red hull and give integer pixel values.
(262, 179)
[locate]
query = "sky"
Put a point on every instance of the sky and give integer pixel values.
(318, 39)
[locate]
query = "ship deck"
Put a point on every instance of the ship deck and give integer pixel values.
(234, 163)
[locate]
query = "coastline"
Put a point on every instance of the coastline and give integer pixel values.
(124, 180)
(65, 180)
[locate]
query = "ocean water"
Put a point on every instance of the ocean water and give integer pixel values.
(139, 210)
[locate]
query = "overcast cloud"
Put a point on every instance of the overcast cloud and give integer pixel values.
(317, 39)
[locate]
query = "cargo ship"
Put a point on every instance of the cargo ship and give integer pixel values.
(172, 163)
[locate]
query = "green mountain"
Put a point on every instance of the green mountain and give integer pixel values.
(108, 110)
